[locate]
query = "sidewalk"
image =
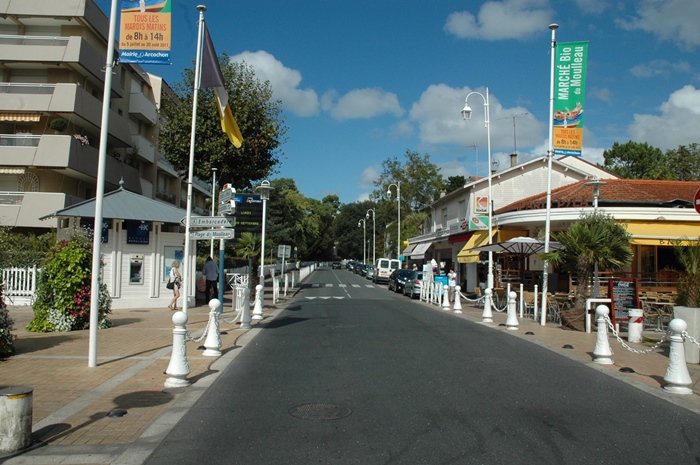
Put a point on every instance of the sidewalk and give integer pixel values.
(72, 402)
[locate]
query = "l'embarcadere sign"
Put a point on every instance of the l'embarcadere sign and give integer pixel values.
(569, 92)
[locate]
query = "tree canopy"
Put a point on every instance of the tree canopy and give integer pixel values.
(634, 160)
(258, 116)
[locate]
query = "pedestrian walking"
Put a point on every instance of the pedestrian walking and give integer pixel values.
(452, 282)
(174, 282)
(211, 274)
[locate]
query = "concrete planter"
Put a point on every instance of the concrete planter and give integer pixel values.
(691, 315)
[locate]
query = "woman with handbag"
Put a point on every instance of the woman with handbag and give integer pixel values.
(174, 283)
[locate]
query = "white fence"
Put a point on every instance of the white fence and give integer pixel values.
(19, 285)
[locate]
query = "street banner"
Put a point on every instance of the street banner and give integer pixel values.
(144, 32)
(569, 93)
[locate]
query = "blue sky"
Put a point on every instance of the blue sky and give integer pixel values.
(363, 81)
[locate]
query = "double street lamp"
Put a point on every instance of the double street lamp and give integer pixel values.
(595, 183)
(374, 234)
(466, 115)
(398, 197)
(364, 239)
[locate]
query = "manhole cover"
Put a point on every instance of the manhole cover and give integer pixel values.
(320, 412)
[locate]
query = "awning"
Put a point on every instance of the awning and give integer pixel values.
(466, 255)
(508, 234)
(20, 117)
(461, 237)
(660, 232)
(419, 251)
(407, 250)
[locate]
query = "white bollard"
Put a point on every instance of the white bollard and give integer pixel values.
(445, 297)
(212, 343)
(258, 307)
(16, 405)
(677, 375)
(178, 369)
(458, 301)
(286, 283)
(602, 352)
(522, 301)
(245, 312)
(635, 325)
(487, 315)
(512, 317)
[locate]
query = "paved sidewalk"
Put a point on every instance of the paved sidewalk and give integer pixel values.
(72, 402)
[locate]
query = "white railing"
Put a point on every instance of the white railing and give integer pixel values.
(19, 285)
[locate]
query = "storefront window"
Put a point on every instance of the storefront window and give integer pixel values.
(647, 254)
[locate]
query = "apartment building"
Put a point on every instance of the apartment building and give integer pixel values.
(52, 57)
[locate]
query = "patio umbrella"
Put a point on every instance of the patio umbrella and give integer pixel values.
(523, 246)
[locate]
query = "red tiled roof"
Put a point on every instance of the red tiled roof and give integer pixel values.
(614, 191)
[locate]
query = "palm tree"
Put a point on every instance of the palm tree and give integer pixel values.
(594, 238)
(248, 247)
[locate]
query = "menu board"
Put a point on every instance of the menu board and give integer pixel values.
(623, 293)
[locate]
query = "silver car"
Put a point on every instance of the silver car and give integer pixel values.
(413, 285)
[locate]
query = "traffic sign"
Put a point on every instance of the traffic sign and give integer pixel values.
(225, 195)
(213, 234)
(284, 251)
(696, 201)
(210, 221)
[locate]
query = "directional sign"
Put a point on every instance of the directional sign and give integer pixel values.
(213, 234)
(224, 207)
(225, 195)
(210, 221)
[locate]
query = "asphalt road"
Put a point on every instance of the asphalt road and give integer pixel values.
(354, 374)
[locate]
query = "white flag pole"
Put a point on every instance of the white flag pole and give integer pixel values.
(188, 282)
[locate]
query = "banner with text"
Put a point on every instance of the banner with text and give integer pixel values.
(569, 92)
(145, 30)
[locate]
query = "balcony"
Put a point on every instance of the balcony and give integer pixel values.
(165, 195)
(67, 99)
(23, 209)
(66, 153)
(72, 52)
(144, 148)
(142, 108)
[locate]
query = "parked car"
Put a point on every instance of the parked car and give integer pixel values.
(413, 285)
(335, 265)
(383, 269)
(370, 272)
(397, 279)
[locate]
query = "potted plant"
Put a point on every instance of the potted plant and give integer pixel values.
(59, 125)
(687, 305)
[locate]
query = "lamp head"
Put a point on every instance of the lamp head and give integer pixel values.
(367, 215)
(388, 193)
(466, 112)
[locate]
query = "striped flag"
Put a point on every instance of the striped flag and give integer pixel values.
(212, 77)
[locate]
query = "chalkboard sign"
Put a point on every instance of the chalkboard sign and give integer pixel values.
(623, 293)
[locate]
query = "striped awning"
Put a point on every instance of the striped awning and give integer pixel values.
(19, 117)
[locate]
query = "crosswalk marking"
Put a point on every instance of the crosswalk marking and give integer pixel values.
(319, 285)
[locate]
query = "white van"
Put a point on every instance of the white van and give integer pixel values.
(383, 268)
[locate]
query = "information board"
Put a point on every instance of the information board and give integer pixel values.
(248, 214)
(624, 295)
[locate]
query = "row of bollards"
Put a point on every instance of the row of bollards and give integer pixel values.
(178, 369)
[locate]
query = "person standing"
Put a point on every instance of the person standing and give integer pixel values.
(175, 278)
(211, 274)
(452, 282)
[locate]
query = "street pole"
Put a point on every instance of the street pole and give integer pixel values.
(374, 234)
(264, 189)
(398, 198)
(213, 206)
(364, 240)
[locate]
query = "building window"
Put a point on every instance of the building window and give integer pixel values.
(462, 205)
(444, 218)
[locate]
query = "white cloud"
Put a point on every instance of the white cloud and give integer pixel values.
(677, 124)
(660, 68)
(284, 81)
(361, 104)
(455, 168)
(368, 176)
(674, 20)
(438, 116)
(501, 20)
(592, 6)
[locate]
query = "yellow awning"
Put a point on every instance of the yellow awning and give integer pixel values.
(478, 239)
(661, 232)
(20, 117)
(507, 234)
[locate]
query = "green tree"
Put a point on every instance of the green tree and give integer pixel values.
(420, 181)
(594, 238)
(684, 162)
(634, 160)
(688, 253)
(323, 213)
(248, 247)
(454, 182)
(258, 116)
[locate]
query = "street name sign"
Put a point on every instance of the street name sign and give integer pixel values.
(213, 234)
(210, 221)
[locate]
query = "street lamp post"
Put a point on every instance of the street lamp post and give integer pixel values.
(595, 183)
(398, 197)
(213, 206)
(466, 115)
(264, 188)
(550, 153)
(374, 234)
(364, 239)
